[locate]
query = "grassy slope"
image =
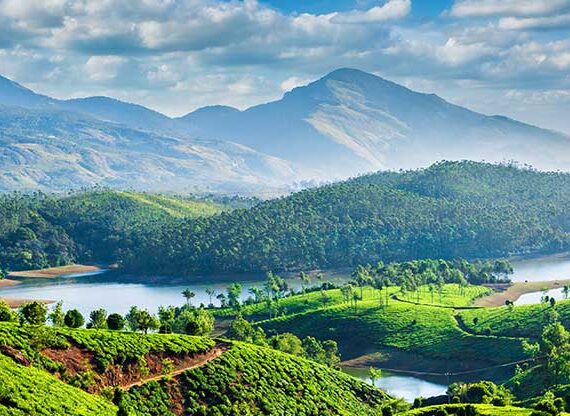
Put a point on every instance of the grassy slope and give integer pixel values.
(246, 378)
(254, 380)
(175, 206)
(520, 321)
(427, 330)
(30, 391)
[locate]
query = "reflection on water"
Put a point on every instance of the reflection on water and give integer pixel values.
(555, 267)
(399, 385)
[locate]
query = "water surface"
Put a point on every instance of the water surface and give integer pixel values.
(402, 386)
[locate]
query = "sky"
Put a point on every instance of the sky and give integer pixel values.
(509, 57)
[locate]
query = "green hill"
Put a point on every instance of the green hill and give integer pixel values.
(53, 371)
(38, 231)
(450, 210)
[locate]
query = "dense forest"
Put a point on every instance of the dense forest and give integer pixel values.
(449, 210)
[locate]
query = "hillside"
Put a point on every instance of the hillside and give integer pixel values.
(40, 230)
(145, 375)
(450, 210)
(54, 150)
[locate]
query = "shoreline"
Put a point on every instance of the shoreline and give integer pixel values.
(513, 291)
(53, 272)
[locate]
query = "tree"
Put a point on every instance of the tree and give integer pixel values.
(234, 293)
(555, 346)
(73, 319)
(374, 374)
(166, 317)
(98, 319)
(188, 295)
(34, 313)
(566, 291)
(57, 316)
(362, 277)
(210, 292)
(257, 294)
(288, 343)
(146, 322)
(115, 322)
(240, 329)
(194, 322)
(6, 314)
(223, 300)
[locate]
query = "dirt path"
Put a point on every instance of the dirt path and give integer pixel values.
(199, 361)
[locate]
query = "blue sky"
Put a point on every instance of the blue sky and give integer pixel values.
(508, 57)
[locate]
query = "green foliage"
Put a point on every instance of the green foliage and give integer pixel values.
(6, 314)
(73, 319)
(57, 316)
(98, 319)
(468, 410)
(481, 392)
(250, 380)
(450, 210)
(115, 322)
(38, 231)
(28, 391)
(33, 313)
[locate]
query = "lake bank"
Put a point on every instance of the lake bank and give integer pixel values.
(53, 272)
(513, 291)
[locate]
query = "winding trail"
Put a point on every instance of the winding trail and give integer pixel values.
(199, 361)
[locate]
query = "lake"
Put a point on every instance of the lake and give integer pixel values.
(117, 293)
(536, 297)
(553, 267)
(400, 385)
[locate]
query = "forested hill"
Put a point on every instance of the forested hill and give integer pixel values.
(452, 209)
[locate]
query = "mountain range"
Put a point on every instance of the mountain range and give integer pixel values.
(346, 123)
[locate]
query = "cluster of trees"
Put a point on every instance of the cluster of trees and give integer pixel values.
(450, 210)
(184, 320)
(323, 352)
(480, 392)
(413, 275)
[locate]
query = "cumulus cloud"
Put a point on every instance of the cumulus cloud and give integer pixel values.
(540, 23)
(292, 82)
(477, 8)
(393, 9)
(103, 68)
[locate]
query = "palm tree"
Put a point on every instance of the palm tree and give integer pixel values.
(188, 295)
(210, 292)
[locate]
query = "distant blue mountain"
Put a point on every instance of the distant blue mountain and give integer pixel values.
(346, 123)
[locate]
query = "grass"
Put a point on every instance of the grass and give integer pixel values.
(427, 330)
(519, 321)
(174, 206)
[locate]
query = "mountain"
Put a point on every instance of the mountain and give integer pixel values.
(350, 122)
(346, 123)
(54, 145)
(54, 150)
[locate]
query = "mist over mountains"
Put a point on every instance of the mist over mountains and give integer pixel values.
(346, 123)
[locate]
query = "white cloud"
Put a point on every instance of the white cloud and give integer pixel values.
(471, 8)
(103, 68)
(292, 82)
(542, 23)
(392, 10)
